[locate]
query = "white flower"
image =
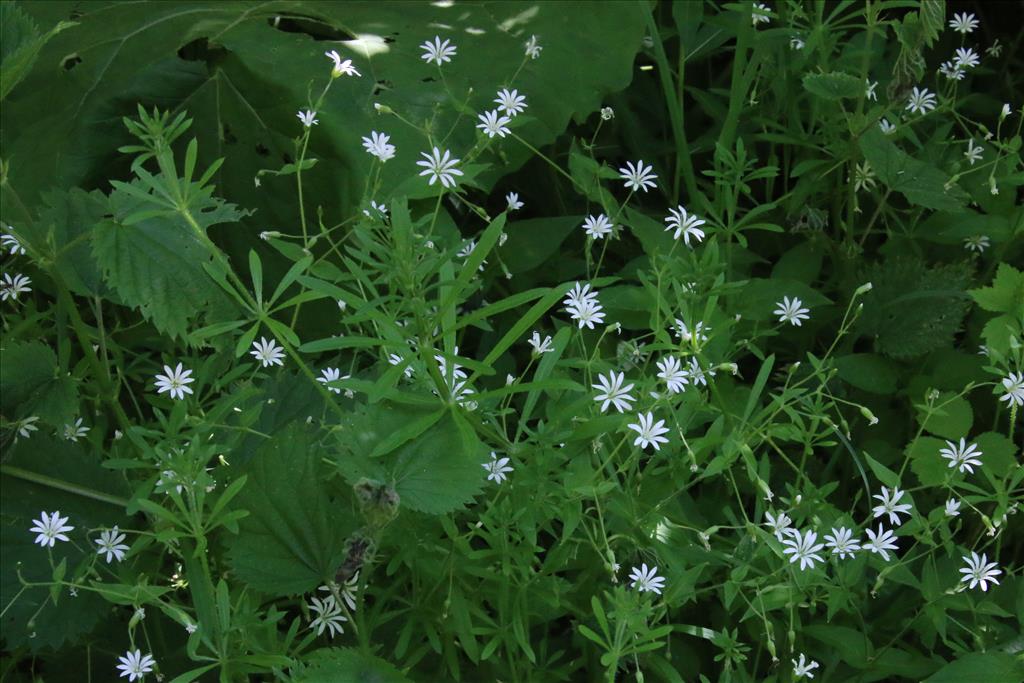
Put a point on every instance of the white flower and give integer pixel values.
(497, 468)
(796, 43)
(597, 227)
(175, 381)
(510, 101)
(589, 313)
(791, 311)
(889, 500)
(10, 288)
(439, 167)
(700, 331)
(869, 91)
(760, 14)
(881, 542)
(672, 372)
(978, 243)
(438, 52)
(379, 211)
(979, 571)
(952, 508)
(379, 146)
(921, 101)
(613, 392)
(135, 665)
(539, 346)
(512, 198)
(963, 23)
(308, 118)
(1014, 384)
(779, 525)
(952, 71)
(74, 432)
(1003, 113)
(967, 57)
(456, 371)
(328, 616)
(887, 128)
(492, 123)
(842, 542)
(111, 544)
(863, 177)
(649, 431)
(963, 457)
(328, 375)
(50, 529)
(995, 49)
(638, 177)
(532, 48)
(13, 246)
(26, 426)
(697, 374)
(607, 113)
(190, 628)
(802, 547)
(645, 579)
(267, 352)
(802, 667)
(341, 67)
(684, 224)
(395, 359)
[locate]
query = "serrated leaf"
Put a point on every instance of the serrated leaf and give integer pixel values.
(930, 467)
(921, 184)
(330, 665)
(1005, 295)
(293, 539)
(952, 420)
(868, 371)
(32, 383)
(834, 86)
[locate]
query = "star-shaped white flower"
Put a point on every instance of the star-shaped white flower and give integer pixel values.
(267, 352)
(76, 431)
(697, 374)
(699, 332)
(952, 508)
(13, 247)
(921, 101)
(887, 128)
(597, 227)
(328, 375)
(512, 200)
(440, 167)
(869, 90)
(671, 370)
(802, 668)
(497, 468)
(612, 392)
(11, 287)
(842, 542)
(493, 123)
(791, 311)
(1014, 387)
(175, 382)
(761, 14)
(979, 571)
(50, 529)
(779, 525)
(396, 359)
(26, 426)
(379, 146)
(342, 67)
(135, 665)
(685, 225)
(646, 579)
(533, 48)
(978, 243)
(967, 58)
(649, 432)
(437, 51)
(803, 548)
(963, 457)
(889, 500)
(328, 616)
(638, 177)
(541, 346)
(510, 102)
(963, 22)
(111, 544)
(881, 542)
(308, 118)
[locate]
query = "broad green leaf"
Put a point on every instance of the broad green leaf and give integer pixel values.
(293, 539)
(952, 417)
(930, 467)
(1006, 295)
(922, 184)
(331, 665)
(33, 384)
(981, 667)
(21, 42)
(868, 371)
(834, 86)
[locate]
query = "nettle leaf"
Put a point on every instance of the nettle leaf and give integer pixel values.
(952, 421)
(20, 43)
(32, 383)
(156, 263)
(921, 184)
(930, 467)
(868, 371)
(64, 231)
(294, 537)
(1006, 295)
(913, 308)
(834, 86)
(348, 664)
(21, 501)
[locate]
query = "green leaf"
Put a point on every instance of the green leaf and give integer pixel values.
(32, 383)
(293, 539)
(952, 417)
(921, 184)
(1006, 295)
(868, 371)
(834, 86)
(980, 667)
(930, 467)
(999, 453)
(21, 43)
(882, 473)
(330, 665)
